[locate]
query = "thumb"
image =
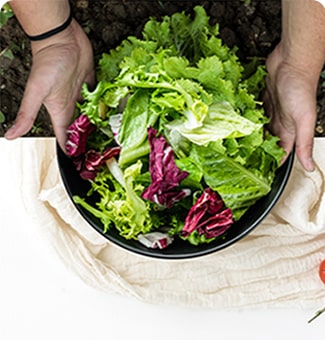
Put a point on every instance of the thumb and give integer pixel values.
(27, 113)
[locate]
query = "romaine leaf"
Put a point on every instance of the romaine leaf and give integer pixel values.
(136, 119)
(220, 122)
(238, 186)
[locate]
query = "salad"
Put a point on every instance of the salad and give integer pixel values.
(173, 137)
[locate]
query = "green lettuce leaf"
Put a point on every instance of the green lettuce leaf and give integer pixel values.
(220, 121)
(120, 206)
(136, 118)
(239, 186)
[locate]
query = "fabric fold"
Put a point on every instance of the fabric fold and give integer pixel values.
(275, 265)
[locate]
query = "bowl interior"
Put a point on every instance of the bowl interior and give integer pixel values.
(178, 249)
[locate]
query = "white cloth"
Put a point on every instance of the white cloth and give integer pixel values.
(276, 265)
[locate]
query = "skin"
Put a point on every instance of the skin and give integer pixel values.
(294, 68)
(63, 62)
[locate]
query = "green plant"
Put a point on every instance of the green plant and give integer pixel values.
(2, 117)
(7, 53)
(246, 2)
(5, 14)
(37, 129)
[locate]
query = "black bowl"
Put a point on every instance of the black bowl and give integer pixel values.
(178, 249)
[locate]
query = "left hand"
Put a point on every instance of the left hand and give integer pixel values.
(290, 101)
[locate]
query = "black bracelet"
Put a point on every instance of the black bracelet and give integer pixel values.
(52, 31)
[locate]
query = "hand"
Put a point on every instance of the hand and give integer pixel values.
(290, 101)
(61, 64)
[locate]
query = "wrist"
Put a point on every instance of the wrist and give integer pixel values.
(40, 16)
(67, 36)
(303, 35)
(53, 31)
(301, 60)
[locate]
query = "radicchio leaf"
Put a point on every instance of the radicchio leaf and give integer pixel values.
(78, 133)
(165, 175)
(92, 160)
(208, 216)
(86, 162)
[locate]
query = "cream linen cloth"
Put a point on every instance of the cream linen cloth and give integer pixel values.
(276, 265)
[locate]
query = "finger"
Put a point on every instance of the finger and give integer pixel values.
(62, 119)
(27, 113)
(286, 136)
(305, 129)
(60, 126)
(275, 126)
(304, 141)
(287, 142)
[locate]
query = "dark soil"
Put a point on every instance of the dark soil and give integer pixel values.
(255, 29)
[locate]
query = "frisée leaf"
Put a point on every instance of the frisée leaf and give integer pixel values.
(120, 206)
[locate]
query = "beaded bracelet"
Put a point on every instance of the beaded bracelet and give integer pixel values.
(52, 31)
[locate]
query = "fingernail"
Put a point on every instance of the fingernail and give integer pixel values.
(309, 165)
(10, 132)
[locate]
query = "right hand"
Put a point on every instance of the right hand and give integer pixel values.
(61, 64)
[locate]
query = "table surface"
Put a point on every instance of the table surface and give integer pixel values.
(40, 298)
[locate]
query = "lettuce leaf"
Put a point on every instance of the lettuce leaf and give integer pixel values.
(220, 122)
(120, 206)
(240, 186)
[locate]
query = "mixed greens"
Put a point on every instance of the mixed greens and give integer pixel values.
(173, 138)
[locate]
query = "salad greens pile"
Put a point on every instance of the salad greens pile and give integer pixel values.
(176, 118)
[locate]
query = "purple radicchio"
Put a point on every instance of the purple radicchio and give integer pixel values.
(208, 216)
(78, 133)
(88, 164)
(165, 175)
